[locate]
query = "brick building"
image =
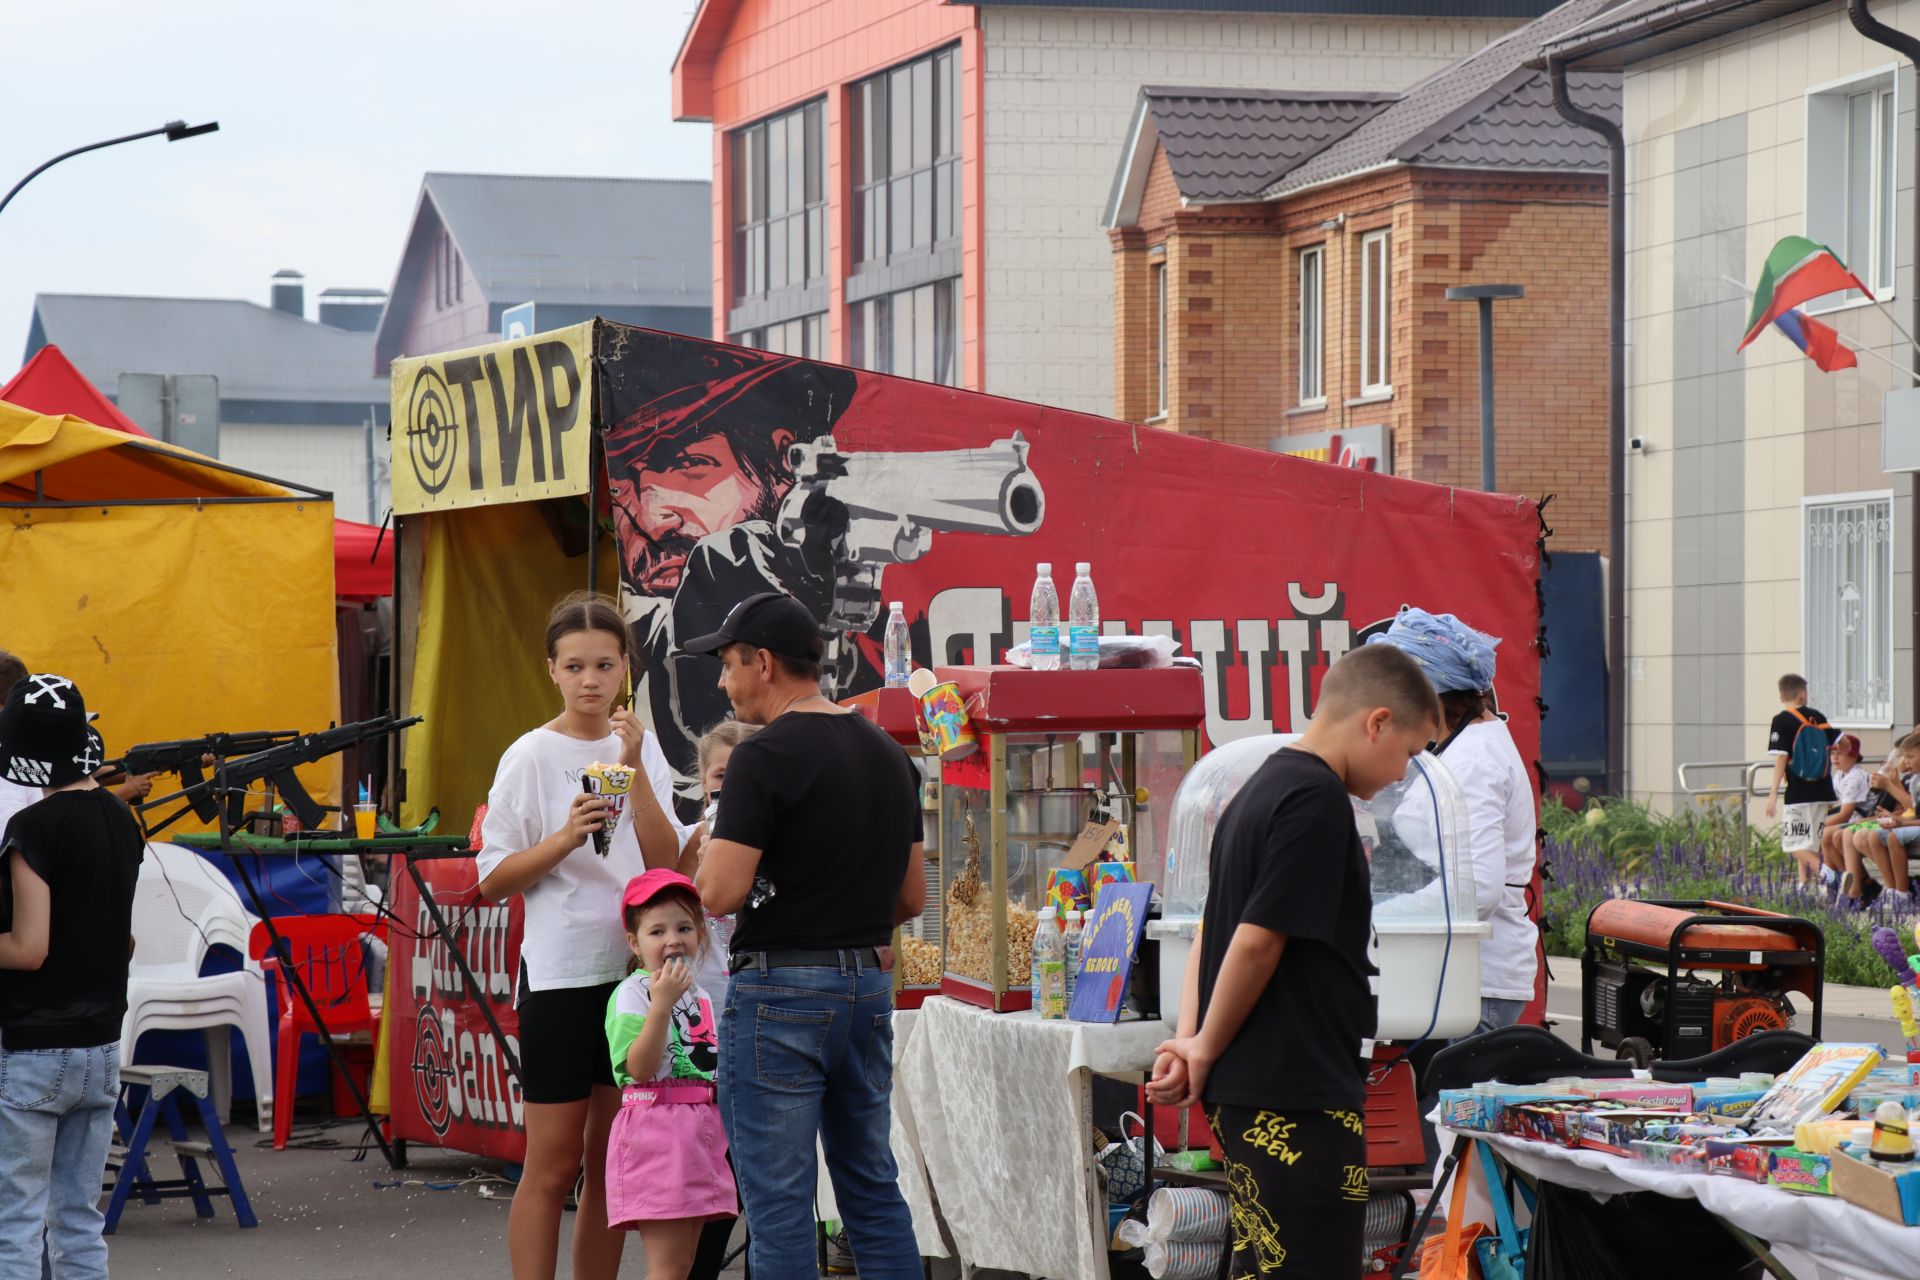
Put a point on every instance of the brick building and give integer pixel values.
(965, 248)
(1281, 262)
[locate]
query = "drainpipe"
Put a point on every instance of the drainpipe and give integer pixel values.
(1616, 418)
(1909, 48)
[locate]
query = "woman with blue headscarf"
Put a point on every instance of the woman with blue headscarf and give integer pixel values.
(1501, 815)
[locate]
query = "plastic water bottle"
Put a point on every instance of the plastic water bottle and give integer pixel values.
(1083, 622)
(1043, 613)
(1047, 945)
(1076, 935)
(899, 650)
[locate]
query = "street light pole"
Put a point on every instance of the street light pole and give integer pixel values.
(1485, 295)
(174, 130)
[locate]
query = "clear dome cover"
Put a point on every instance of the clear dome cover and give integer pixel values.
(1409, 829)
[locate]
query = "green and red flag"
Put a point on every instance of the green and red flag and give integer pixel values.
(1798, 270)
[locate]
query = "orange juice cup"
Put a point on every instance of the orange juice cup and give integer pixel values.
(363, 822)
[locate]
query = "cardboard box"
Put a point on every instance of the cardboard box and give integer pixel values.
(1615, 1132)
(1737, 1159)
(1641, 1094)
(1875, 1187)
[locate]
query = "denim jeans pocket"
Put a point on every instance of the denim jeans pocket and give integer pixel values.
(879, 1052)
(790, 1046)
(32, 1078)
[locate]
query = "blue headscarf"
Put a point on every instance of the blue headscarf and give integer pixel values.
(1454, 655)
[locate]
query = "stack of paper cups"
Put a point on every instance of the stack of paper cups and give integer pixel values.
(1184, 1259)
(1182, 1215)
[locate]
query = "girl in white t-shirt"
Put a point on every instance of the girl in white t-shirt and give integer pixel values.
(537, 841)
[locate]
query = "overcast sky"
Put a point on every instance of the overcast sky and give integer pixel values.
(325, 131)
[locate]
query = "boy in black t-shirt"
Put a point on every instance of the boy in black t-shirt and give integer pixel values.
(1808, 798)
(1277, 1001)
(68, 862)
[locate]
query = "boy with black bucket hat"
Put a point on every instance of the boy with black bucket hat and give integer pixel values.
(68, 864)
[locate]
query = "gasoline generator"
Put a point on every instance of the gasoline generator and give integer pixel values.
(1678, 979)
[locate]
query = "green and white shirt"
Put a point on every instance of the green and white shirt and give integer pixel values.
(693, 1042)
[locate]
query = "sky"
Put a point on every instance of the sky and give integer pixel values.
(325, 131)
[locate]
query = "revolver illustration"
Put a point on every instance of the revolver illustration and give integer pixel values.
(860, 512)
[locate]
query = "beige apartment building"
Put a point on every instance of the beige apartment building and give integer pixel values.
(1763, 534)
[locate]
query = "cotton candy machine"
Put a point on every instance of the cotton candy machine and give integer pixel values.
(1428, 935)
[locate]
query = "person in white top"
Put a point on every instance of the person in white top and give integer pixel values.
(537, 841)
(1502, 816)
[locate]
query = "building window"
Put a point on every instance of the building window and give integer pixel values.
(1312, 331)
(447, 286)
(913, 333)
(906, 158)
(779, 203)
(1160, 338)
(805, 337)
(1851, 177)
(1376, 260)
(1847, 608)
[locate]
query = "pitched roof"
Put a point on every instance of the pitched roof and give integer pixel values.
(1228, 145)
(257, 353)
(1487, 110)
(632, 241)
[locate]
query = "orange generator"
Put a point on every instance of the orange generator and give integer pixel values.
(1679, 979)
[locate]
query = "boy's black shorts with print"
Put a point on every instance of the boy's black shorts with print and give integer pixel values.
(1298, 1183)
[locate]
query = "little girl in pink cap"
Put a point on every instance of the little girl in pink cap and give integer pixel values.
(667, 1170)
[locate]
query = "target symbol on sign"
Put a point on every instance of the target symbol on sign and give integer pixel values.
(433, 1070)
(433, 437)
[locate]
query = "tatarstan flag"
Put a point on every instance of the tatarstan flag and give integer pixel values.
(1797, 271)
(1820, 343)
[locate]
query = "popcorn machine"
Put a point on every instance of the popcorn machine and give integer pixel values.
(1057, 751)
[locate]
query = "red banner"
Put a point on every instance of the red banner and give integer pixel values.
(451, 1086)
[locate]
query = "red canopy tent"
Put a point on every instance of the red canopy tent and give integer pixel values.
(49, 383)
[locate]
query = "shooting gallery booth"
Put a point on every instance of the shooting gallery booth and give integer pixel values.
(182, 595)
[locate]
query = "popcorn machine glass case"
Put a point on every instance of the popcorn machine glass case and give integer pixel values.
(1424, 916)
(1057, 749)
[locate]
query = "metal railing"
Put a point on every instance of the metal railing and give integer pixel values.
(1749, 772)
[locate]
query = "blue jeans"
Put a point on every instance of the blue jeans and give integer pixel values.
(804, 1051)
(56, 1121)
(1495, 1014)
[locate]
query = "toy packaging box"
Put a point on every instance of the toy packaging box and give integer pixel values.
(1820, 1082)
(1792, 1169)
(1615, 1132)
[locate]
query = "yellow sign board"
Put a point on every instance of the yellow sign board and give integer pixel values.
(510, 422)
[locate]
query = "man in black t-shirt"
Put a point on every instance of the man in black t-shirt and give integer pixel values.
(69, 863)
(1277, 1002)
(1808, 798)
(817, 846)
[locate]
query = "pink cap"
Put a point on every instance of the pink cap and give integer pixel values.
(648, 885)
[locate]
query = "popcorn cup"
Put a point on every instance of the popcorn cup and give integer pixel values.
(947, 721)
(613, 781)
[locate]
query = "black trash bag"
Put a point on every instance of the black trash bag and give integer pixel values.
(1577, 1237)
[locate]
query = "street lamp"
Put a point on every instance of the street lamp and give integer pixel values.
(174, 130)
(1485, 295)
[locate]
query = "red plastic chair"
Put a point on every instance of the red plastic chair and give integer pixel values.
(332, 964)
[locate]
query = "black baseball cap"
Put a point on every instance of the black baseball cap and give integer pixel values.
(771, 620)
(44, 735)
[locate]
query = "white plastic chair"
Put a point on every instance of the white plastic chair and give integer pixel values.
(182, 908)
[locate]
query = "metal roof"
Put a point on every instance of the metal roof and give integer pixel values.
(1484, 111)
(257, 353)
(1225, 145)
(1642, 29)
(581, 241)
(1344, 8)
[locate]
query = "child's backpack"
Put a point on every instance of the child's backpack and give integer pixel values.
(1808, 761)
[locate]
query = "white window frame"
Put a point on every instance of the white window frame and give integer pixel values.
(1827, 181)
(1376, 315)
(1822, 695)
(1160, 336)
(1313, 390)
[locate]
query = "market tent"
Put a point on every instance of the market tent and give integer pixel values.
(49, 383)
(184, 597)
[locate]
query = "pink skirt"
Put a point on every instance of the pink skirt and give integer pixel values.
(668, 1159)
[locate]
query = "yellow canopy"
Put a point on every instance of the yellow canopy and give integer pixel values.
(182, 596)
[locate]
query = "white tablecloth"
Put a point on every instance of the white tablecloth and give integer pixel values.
(1814, 1236)
(996, 1107)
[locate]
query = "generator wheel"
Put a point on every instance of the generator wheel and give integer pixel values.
(1635, 1049)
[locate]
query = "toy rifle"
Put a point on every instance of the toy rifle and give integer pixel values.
(233, 776)
(185, 757)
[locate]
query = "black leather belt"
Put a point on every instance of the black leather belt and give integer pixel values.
(847, 957)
